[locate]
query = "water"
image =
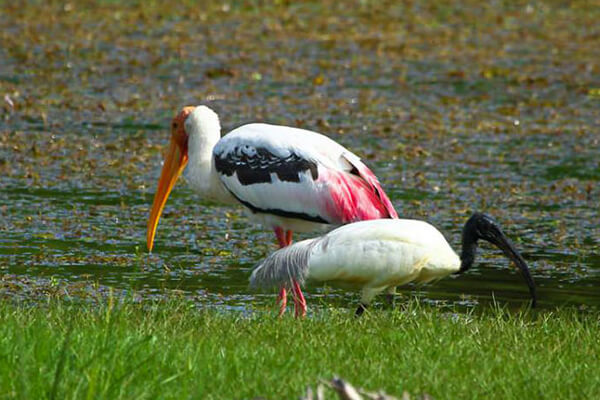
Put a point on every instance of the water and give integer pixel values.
(460, 123)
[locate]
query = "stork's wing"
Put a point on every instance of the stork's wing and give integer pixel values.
(298, 174)
(256, 164)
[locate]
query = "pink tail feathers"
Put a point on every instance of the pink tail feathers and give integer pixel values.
(356, 197)
(372, 180)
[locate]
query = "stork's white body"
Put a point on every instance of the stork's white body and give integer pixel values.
(340, 189)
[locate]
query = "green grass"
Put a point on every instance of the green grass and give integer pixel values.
(173, 350)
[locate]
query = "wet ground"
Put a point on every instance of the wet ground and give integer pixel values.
(457, 108)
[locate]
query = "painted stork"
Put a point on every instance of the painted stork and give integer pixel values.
(375, 256)
(289, 179)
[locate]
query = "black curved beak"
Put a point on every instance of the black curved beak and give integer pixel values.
(507, 247)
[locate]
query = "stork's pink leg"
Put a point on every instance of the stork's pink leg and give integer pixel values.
(299, 301)
(282, 297)
(282, 301)
(281, 237)
(296, 304)
(285, 239)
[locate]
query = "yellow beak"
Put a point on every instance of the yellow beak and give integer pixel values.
(175, 162)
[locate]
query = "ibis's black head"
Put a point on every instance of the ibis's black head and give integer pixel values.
(482, 226)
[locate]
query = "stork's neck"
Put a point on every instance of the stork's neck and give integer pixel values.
(204, 131)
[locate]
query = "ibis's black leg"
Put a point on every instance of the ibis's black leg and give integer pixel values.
(390, 297)
(390, 300)
(361, 309)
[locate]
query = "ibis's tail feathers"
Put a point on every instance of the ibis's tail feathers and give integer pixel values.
(283, 266)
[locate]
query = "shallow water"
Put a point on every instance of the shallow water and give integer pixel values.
(454, 113)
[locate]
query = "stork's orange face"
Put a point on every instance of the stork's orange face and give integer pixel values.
(175, 161)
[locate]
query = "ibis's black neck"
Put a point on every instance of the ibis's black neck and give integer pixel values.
(470, 236)
(482, 226)
(467, 255)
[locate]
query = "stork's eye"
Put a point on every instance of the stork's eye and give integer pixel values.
(174, 125)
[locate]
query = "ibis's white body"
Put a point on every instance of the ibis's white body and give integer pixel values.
(382, 253)
(373, 256)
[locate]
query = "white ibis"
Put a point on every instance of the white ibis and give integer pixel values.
(375, 256)
(289, 179)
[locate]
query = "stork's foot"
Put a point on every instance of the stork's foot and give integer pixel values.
(360, 310)
(282, 301)
(299, 301)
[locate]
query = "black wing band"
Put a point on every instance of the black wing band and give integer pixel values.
(258, 165)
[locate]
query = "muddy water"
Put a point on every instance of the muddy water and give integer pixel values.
(455, 109)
